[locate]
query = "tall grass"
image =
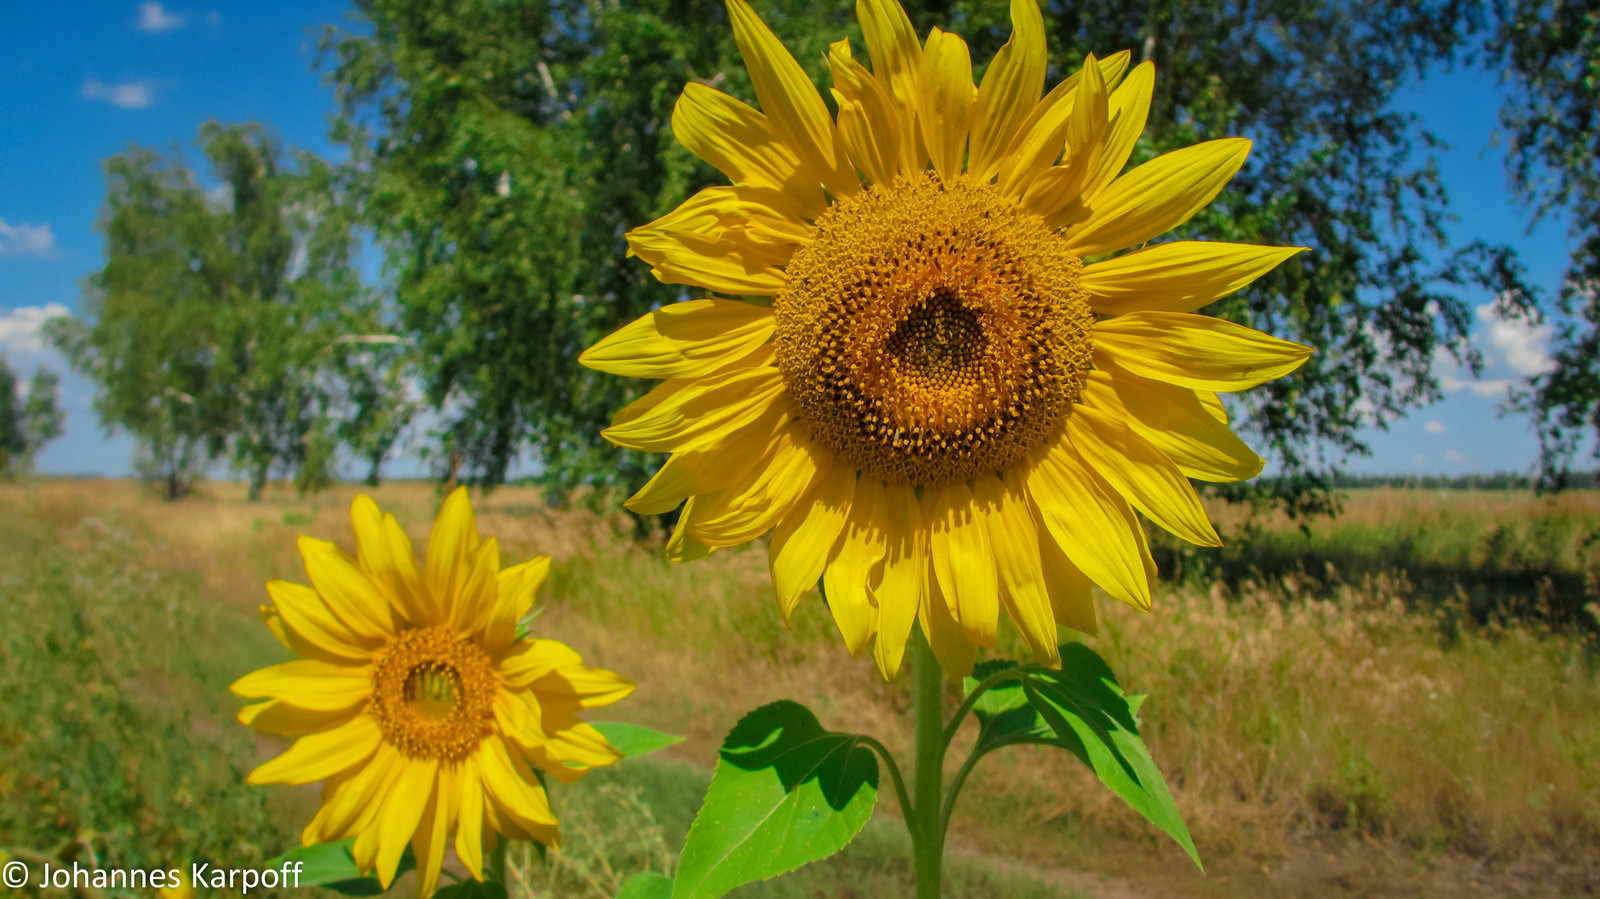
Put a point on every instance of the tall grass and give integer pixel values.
(1343, 711)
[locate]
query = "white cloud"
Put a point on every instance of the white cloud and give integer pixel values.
(1419, 459)
(1434, 427)
(19, 328)
(1451, 380)
(128, 95)
(1519, 342)
(153, 17)
(1453, 456)
(27, 240)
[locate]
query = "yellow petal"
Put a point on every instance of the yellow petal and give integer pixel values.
(715, 263)
(515, 590)
(901, 585)
(469, 827)
(1126, 113)
(950, 646)
(1043, 133)
(1015, 541)
(681, 546)
(474, 599)
(530, 660)
(1176, 421)
(682, 340)
(402, 810)
(1071, 592)
(709, 408)
(1091, 523)
(1011, 86)
(1194, 350)
(1156, 197)
(580, 746)
(516, 795)
(309, 684)
(896, 58)
(805, 538)
(351, 800)
(1181, 276)
(519, 718)
(742, 144)
(351, 595)
(427, 846)
(870, 123)
(1213, 406)
(311, 629)
(278, 717)
(844, 582)
(790, 100)
(706, 469)
(590, 688)
(946, 107)
(963, 562)
(744, 511)
(1141, 473)
(321, 755)
(385, 555)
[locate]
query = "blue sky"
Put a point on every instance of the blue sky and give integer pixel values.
(81, 84)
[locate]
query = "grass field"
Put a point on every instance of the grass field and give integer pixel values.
(1403, 702)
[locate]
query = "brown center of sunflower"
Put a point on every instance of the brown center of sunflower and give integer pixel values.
(933, 331)
(433, 694)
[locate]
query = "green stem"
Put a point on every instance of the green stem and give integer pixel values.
(894, 773)
(972, 698)
(927, 842)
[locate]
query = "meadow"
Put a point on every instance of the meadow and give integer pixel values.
(1403, 701)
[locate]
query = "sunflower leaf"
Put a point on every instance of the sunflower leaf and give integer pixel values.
(646, 885)
(472, 889)
(1088, 714)
(330, 865)
(785, 792)
(633, 740)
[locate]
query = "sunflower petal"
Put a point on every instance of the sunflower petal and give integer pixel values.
(784, 474)
(1126, 114)
(844, 581)
(963, 562)
(309, 684)
(1141, 473)
(742, 144)
(427, 844)
(303, 612)
(530, 660)
(517, 797)
(1071, 592)
(682, 340)
(1181, 276)
(352, 799)
(901, 585)
(947, 95)
(1156, 197)
(1194, 350)
(1176, 421)
(950, 646)
(1091, 523)
(704, 470)
(790, 100)
(469, 819)
(402, 811)
(1043, 133)
(278, 717)
(870, 123)
(1011, 86)
(805, 537)
(321, 755)
(589, 688)
(384, 553)
(451, 545)
(352, 596)
(896, 56)
(1015, 540)
(708, 409)
(515, 590)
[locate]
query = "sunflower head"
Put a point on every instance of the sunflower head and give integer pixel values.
(956, 395)
(415, 699)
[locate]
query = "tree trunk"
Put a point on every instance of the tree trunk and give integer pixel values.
(258, 480)
(372, 474)
(172, 484)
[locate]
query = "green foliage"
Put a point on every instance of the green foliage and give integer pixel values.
(332, 865)
(42, 416)
(786, 792)
(13, 442)
(1079, 708)
(633, 740)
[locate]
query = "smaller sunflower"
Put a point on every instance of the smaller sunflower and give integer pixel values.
(416, 702)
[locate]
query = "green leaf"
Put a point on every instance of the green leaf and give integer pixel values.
(633, 740)
(786, 792)
(472, 889)
(1085, 708)
(331, 865)
(646, 885)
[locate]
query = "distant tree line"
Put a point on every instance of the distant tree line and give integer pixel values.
(1500, 480)
(497, 153)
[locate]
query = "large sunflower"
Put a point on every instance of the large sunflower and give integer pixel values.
(416, 701)
(948, 396)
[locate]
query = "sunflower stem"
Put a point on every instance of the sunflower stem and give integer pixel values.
(927, 838)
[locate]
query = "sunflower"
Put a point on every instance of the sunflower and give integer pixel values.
(416, 701)
(945, 394)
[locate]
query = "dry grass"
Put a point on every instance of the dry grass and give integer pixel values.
(1292, 711)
